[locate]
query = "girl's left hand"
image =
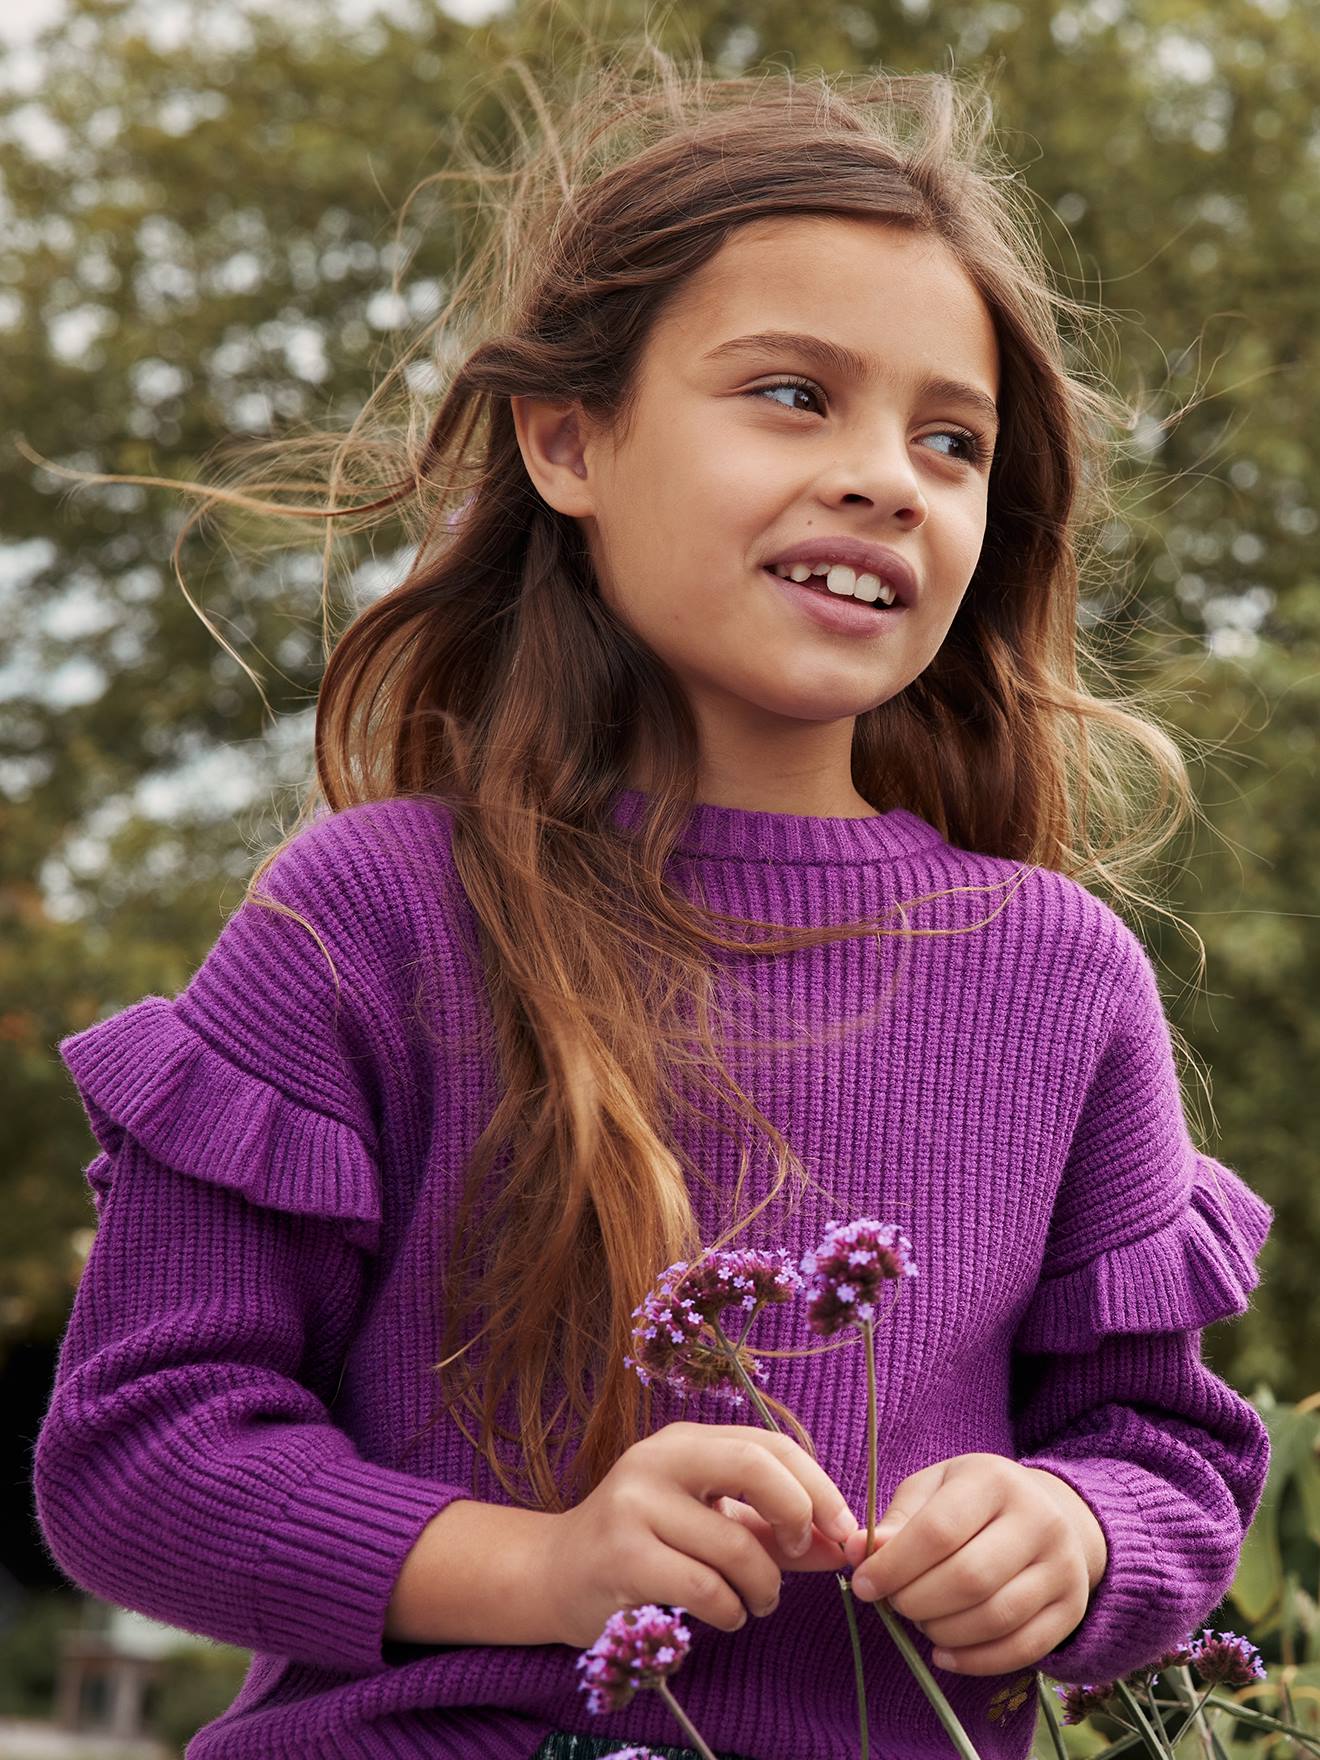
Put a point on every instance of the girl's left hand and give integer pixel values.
(995, 1562)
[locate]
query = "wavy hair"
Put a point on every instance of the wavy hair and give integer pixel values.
(494, 678)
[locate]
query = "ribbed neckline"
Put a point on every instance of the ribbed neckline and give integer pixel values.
(741, 834)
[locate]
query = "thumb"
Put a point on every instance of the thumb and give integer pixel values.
(910, 1495)
(855, 1545)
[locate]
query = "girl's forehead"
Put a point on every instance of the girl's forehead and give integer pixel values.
(875, 288)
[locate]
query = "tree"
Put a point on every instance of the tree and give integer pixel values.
(205, 247)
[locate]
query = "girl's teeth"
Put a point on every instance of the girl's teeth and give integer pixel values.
(841, 580)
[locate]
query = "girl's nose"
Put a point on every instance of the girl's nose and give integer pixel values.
(887, 480)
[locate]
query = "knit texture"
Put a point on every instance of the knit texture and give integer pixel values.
(242, 1439)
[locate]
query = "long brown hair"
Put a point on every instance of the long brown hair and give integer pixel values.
(494, 679)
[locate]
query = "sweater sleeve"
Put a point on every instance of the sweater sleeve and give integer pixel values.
(1149, 1242)
(187, 1465)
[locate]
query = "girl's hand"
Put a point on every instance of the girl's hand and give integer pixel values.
(993, 1561)
(656, 1529)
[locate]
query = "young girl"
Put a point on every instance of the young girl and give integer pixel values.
(745, 597)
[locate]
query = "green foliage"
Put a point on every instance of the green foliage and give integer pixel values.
(208, 254)
(1266, 1604)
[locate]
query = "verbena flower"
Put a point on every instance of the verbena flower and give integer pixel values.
(675, 1337)
(1139, 1678)
(639, 1647)
(1226, 1660)
(849, 1266)
(1080, 1701)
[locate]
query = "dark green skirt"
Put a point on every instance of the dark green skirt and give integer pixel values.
(562, 1746)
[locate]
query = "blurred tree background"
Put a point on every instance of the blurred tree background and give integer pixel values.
(199, 242)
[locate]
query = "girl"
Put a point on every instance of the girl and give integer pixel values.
(759, 613)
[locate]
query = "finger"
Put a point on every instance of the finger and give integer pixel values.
(910, 1496)
(945, 1523)
(1000, 1614)
(822, 1555)
(1019, 1649)
(776, 1476)
(1000, 1554)
(715, 1542)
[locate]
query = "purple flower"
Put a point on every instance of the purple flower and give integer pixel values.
(1139, 1678)
(1080, 1701)
(639, 1647)
(849, 1266)
(675, 1337)
(1226, 1660)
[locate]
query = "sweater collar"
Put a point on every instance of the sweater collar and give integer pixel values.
(740, 834)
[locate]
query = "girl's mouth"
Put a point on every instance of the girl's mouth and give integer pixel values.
(839, 612)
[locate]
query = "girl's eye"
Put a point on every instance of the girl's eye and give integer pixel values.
(975, 450)
(789, 385)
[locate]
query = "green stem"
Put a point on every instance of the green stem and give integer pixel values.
(1182, 1676)
(872, 1439)
(1050, 1706)
(742, 1337)
(1157, 1744)
(689, 1728)
(860, 1678)
(1248, 1714)
(767, 1416)
(1191, 1718)
(928, 1684)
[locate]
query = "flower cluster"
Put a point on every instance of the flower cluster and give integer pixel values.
(1226, 1660)
(1223, 1660)
(849, 1266)
(1079, 1701)
(639, 1647)
(676, 1337)
(750, 1277)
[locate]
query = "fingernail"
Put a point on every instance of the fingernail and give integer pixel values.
(799, 1544)
(842, 1525)
(943, 1659)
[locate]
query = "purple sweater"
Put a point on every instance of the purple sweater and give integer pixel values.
(237, 1440)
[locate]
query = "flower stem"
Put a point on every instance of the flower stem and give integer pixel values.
(735, 1363)
(1183, 1675)
(1253, 1718)
(1190, 1719)
(688, 1727)
(858, 1675)
(872, 1439)
(1050, 1706)
(928, 1684)
(1157, 1745)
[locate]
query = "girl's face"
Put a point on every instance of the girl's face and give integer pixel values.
(725, 467)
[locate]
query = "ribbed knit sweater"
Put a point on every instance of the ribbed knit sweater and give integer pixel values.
(239, 1438)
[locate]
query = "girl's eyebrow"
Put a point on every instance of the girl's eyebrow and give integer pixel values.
(847, 363)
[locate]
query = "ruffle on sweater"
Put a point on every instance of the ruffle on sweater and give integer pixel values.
(1197, 1267)
(144, 1072)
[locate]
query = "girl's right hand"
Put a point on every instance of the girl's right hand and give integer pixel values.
(699, 1516)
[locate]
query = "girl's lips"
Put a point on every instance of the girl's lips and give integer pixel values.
(836, 611)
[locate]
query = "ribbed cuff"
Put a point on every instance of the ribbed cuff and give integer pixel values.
(330, 1562)
(1121, 1627)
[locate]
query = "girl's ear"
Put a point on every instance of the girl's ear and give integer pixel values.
(550, 438)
